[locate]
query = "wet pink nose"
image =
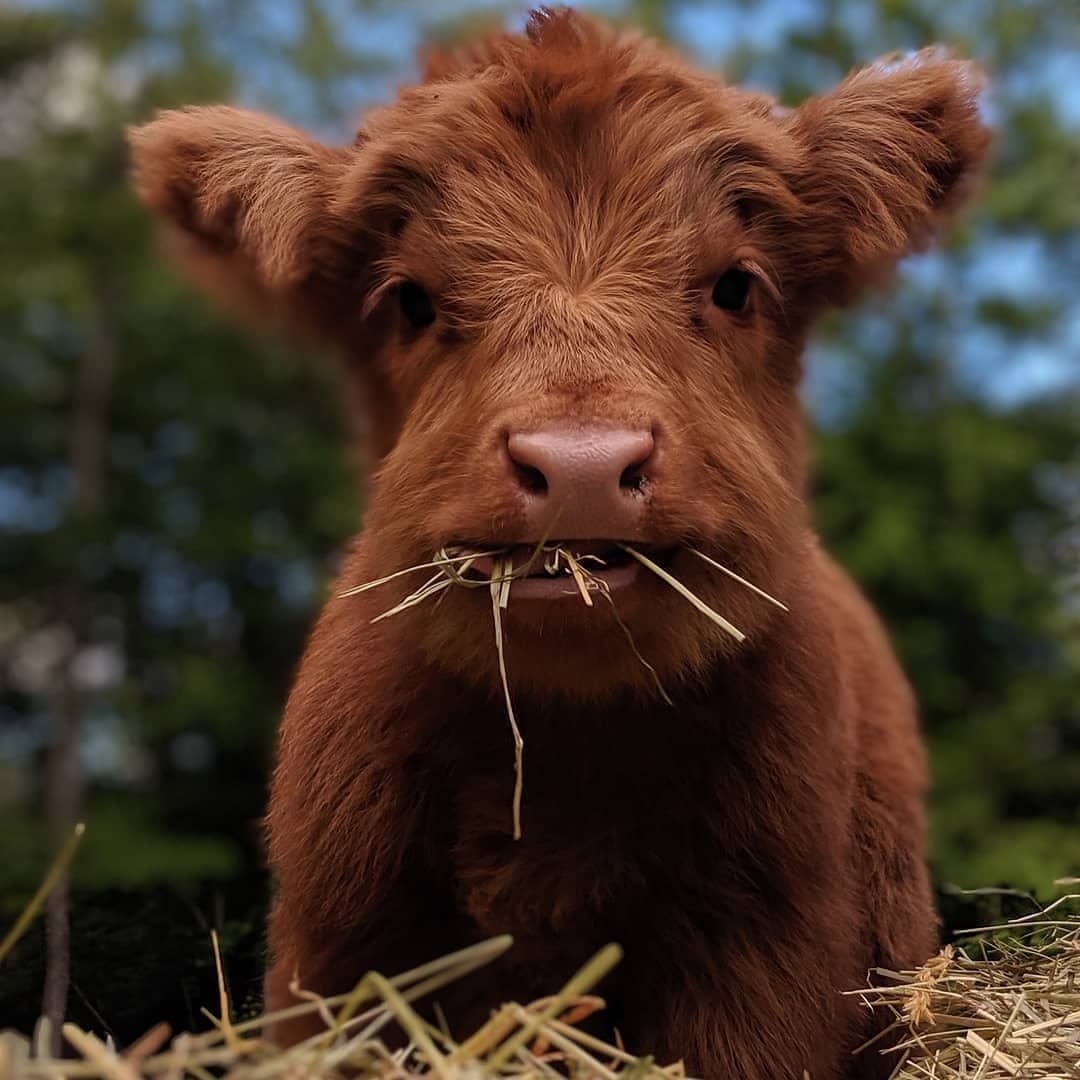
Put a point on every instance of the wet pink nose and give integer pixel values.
(596, 478)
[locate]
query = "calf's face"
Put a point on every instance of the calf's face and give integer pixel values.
(572, 280)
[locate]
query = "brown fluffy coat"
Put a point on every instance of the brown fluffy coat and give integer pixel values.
(567, 198)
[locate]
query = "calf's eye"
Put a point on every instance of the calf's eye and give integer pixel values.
(732, 289)
(415, 305)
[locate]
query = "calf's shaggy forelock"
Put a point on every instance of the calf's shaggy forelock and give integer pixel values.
(561, 245)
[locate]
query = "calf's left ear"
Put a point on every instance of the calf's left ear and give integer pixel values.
(888, 156)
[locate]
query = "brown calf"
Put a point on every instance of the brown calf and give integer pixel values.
(572, 280)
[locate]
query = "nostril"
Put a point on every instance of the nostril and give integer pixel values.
(527, 462)
(530, 479)
(633, 477)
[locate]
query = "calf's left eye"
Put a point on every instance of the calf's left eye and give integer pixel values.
(732, 289)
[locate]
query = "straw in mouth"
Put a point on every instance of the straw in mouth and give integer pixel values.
(587, 568)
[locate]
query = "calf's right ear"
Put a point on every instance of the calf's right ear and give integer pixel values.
(247, 204)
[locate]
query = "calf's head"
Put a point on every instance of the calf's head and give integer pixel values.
(572, 280)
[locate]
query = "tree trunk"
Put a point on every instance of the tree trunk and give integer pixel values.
(63, 801)
(63, 773)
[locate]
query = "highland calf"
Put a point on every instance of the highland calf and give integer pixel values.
(571, 281)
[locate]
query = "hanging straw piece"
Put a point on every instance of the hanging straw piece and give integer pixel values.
(504, 583)
(741, 580)
(684, 592)
(587, 582)
(606, 593)
(500, 591)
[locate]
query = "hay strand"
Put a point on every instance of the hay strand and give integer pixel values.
(619, 621)
(500, 593)
(580, 983)
(578, 575)
(685, 593)
(55, 873)
(442, 559)
(741, 580)
(429, 588)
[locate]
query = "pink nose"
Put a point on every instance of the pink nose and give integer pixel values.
(595, 478)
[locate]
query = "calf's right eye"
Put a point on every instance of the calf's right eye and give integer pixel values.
(416, 305)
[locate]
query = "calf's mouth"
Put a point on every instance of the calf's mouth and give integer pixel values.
(558, 569)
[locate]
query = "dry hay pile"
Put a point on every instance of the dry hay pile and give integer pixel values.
(531, 1042)
(1007, 1007)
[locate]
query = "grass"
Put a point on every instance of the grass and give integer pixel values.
(37, 901)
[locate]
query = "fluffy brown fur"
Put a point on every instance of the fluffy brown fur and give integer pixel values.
(567, 198)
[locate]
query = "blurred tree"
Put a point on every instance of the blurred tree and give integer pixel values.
(172, 490)
(952, 516)
(169, 488)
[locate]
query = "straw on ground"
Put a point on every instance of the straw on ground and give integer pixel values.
(1007, 1007)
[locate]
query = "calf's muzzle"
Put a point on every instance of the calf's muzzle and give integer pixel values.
(583, 480)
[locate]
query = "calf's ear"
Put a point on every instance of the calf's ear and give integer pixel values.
(247, 204)
(887, 157)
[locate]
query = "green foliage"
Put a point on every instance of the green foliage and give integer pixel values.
(942, 510)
